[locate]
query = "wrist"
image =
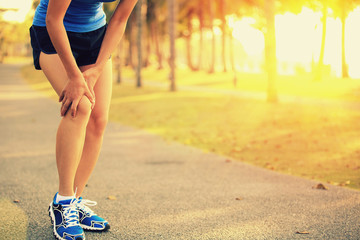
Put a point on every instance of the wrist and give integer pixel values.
(99, 66)
(74, 75)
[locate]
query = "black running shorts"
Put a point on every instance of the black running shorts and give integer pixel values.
(84, 46)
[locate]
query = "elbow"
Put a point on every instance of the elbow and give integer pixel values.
(48, 20)
(119, 20)
(51, 21)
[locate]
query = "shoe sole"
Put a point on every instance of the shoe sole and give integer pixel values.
(52, 219)
(85, 227)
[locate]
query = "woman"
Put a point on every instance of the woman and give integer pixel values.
(72, 46)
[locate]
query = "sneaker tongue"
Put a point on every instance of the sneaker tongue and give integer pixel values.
(68, 201)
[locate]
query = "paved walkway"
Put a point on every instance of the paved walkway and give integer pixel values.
(163, 190)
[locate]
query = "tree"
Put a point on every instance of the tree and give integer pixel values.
(200, 12)
(139, 42)
(342, 9)
(129, 34)
(344, 13)
(213, 39)
(269, 9)
(155, 23)
(187, 11)
(270, 50)
(320, 66)
(222, 7)
(172, 34)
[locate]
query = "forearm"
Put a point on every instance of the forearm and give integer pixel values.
(55, 27)
(115, 31)
(61, 43)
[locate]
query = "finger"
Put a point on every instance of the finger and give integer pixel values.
(89, 96)
(90, 88)
(91, 101)
(65, 107)
(92, 92)
(92, 105)
(62, 95)
(73, 108)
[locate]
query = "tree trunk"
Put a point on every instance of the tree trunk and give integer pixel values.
(139, 43)
(188, 40)
(223, 30)
(129, 32)
(320, 67)
(118, 62)
(345, 71)
(146, 61)
(232, 59)
(201, 32)
(270, 51)
(146, 34)
(155, 36)
(213, 42)
(172, 34)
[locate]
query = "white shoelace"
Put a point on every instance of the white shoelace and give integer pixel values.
(83, 205)
(71, 214)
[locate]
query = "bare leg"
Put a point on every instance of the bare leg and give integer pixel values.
(71, 132)
(95, 128)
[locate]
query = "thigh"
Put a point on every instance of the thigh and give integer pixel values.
(56, 74)
(103, 90)
(54, 71)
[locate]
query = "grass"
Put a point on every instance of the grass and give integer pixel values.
(301, 85)
(314, 140)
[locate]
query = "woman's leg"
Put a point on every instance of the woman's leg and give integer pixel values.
(71, 132)
(95, 128)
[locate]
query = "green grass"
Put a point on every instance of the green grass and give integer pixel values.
(314, 141)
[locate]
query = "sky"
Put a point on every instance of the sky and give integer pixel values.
(21, 8)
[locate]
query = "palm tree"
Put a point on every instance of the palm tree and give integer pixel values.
(154, 25)
(270, 50)
(172, 34)
(344, 67)
(139, 42)
(345, 7)
(222, 5)
(213, 42)
(320, 66)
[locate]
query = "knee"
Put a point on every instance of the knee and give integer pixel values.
(97, 124)
(84, 108)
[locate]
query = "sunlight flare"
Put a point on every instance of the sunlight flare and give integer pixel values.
(17, 10)
(298, 41)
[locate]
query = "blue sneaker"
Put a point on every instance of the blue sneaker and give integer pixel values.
(88, 219)
(65, 219)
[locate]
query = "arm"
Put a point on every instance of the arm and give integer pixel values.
(76, 86)
(112, 37)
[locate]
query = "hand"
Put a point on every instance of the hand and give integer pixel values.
(71, 95)
(91, 75)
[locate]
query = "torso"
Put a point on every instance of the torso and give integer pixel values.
(81, 16)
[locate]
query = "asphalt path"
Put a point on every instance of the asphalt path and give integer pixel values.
(159, 189)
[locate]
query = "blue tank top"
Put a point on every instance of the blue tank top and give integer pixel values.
(81, 16)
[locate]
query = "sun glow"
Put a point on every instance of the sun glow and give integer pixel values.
(298, 41)
(252, 39)
(15, 11)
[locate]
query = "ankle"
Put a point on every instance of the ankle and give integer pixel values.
(60, 197)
